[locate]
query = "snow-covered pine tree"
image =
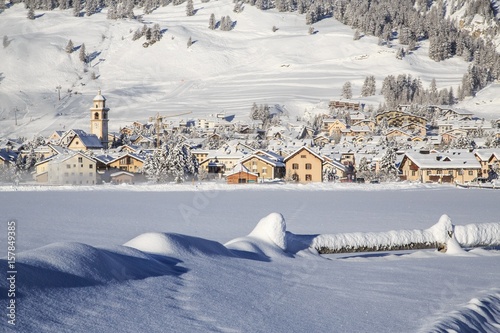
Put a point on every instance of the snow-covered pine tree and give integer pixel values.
(69, 47)
(31, 13)
(173, 161)
(189, 42)
(347, 90)
(212, 22)
(77, 8)
(83, 54)
(112, 11)
(357, 35)
(388, 169)
(90, 7)
(137, 34)
(369, 86)
(156, 32)
(189, 8)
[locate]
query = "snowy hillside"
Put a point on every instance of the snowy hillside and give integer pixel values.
(222, 71)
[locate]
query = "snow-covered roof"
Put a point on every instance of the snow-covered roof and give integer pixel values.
(240, 168)
(452, 159)
(8, 155)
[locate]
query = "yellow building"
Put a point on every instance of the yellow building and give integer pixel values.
(459, 166)
(266, 165)
(304, 165)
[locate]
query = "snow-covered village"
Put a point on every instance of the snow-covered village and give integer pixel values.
(250, 166)
(347, 144)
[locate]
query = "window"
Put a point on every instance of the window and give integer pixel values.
(68, 166)
(471, 173)
(80, 159)
(303, 156)
(91, 166)
(295, 166)
(460, 172)
(264, 171)
(308, 178)
(81, 174)
(308, 166)
(413, 172)
(450, 172)
(428, 172)
(96, 116)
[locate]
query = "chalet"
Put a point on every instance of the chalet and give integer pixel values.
(489, 160)
(127, 161)
(333, 126)
(450, 166)
(304, 165)
(267, 165)
(219, 161)
(55, 137)
(321, 140)
(345, 105)
(332, 167)
(122, 177)
(367, 123)
(241, 175)
(396, 118)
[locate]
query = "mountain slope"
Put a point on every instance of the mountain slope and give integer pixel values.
(222, 71)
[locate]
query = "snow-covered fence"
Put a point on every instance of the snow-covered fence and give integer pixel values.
(438, 236)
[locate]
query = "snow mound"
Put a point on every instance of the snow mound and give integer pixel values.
(271, 229)
(478, 315)
(78, 265)
(453, 248)
(442, 230)
(267, 239)
(176, 245)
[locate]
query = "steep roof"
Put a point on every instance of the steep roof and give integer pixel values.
(300, 149)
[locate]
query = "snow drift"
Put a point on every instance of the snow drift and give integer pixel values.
(268, 238)
(478, 315)
(79, 265)
(176, 245)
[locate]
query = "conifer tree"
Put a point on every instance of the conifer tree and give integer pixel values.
(212, 22)
(77, 8)
(189, 8)
(83, 54)
(70, 47)
(347, 90)
(31, 13)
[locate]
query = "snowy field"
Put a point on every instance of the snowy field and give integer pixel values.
(188, 266)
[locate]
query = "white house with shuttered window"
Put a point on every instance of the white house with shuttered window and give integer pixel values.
(71, 168)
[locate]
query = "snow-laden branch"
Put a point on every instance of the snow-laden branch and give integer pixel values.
(438, 236)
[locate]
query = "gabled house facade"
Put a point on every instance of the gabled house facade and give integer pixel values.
(71, 168)
(304, 165)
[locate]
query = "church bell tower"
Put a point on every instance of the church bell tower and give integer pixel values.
(99, 119)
